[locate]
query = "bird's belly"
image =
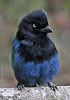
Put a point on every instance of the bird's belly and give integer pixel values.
(48, 70)
(31, 73)
(26, 72)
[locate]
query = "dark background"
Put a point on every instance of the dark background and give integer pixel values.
(12, 11)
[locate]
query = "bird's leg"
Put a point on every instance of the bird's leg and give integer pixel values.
(20, 86)
(52, 86)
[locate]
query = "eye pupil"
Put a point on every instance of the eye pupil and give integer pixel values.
(34, 25)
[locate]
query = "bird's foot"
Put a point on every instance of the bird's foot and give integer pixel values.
(20, 86)
(52, 86)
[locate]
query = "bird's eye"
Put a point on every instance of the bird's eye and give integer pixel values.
(34, 25)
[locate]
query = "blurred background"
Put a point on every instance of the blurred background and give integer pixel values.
(11, 13)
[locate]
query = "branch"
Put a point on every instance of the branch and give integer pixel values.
(38, 93)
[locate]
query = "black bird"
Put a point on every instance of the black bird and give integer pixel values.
(34, 55)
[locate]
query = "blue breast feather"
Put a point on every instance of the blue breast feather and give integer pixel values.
(31, 73)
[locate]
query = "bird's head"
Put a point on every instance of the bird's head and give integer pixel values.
(33, 25)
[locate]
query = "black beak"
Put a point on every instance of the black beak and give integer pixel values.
(47, 29)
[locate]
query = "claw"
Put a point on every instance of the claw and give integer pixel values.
(52, 86)
(20, 87)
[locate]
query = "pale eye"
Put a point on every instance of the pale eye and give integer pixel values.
(34, 25)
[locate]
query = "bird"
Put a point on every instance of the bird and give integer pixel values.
(34, 58)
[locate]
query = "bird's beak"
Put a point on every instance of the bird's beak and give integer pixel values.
(47, 29)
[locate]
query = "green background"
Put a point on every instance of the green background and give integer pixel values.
(11, 13)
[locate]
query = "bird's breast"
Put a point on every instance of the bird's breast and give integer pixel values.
(45, 69)
(37, 53)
